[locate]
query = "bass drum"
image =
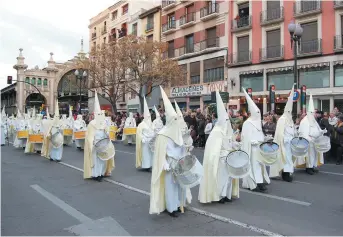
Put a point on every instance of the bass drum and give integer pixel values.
(268, 153)
(188, 171)
(299, 146)
(103, 145)
(56, 137)
(322, 144)
(238, 164)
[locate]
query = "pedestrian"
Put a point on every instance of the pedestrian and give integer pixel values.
(337, 139)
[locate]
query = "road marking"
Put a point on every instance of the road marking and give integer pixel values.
(61, 204)
(333, 173)
(277, 197)
(301, 182)
(196, 210)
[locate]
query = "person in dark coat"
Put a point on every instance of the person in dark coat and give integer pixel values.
(201, 131)
(337, 139)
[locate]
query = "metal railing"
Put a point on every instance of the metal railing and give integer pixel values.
(211, 8)
(271, 15)
(189, 17)
(240, 57)
(271, 52)
(93, 35)
(338, 4)
(149, 26)
(241, 22)
(167, 3)
(104, 30)
(303, 7)
(209, 43)
(168, 26)
(338, 44)
(310, 47)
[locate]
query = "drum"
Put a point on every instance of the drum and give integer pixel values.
(68, 132)
(268, 153)
(188, 171)
(22, 134)
(103, 146)
(129, 131)
(36, 138)
(322, 144)
(299, 146)
(80, 135)
(56, 137)
(238, 164)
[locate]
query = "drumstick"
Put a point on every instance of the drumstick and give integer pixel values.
(181, 206)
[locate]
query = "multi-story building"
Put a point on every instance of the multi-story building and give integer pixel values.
(99, 29)
(260, 53)
(197, 37)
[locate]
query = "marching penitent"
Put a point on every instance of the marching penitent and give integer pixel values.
(68, 124)
(99, 150)
(157, 124)
(21, 127)
(4, 128)
(130, 122)
(318, 143)
(217, 185)
(79, 126)
(145, 141)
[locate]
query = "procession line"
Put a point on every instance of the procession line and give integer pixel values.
(193, 209)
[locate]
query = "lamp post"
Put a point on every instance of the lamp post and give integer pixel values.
(295, 31)
(80, 76)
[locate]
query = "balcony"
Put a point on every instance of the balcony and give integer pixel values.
(168, 4)
(271, 16)
(169, 27)
(209, 43)
(170, 53)
(149, 26)
(196, 49)
(93, 36)
(271, 53)
(338, 4)
(307, 8)
(187, 20)
(310, 48)
(240, 58)
(209, 12)
(241, 24)
(338, 44)
(103, 31)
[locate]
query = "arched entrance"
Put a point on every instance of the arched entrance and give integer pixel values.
(34, 100)
(68, 91)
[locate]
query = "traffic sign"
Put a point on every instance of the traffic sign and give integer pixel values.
(296, 95)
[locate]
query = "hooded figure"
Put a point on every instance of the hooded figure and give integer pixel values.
(53, 138)
(157, 124)
(310, 129)
(186, 134)
(166, 193)
(130, 122)
(217, 185)
(47, 114)
(252, 136)
(21, 125)
(35, 127)
(144, 135)
(68, 123)
(3, 126)
(79, 125)
(284, 133)
(94, 167)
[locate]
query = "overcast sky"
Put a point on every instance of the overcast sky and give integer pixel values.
(41, 27)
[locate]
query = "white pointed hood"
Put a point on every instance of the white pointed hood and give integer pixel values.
(289, 105)
(56, 119)
(99, 116)
(47, 114)
(19, 116)
(96, 103)
(70, 112)
(310, 110)
(3, 113)
(33, 113)
(183, 124)
(172, 128)
(223, 116)
(147, 116)
(253, 109)
(157, 113)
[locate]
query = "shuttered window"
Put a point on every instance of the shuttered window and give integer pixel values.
(273, 43)
(214, 69)
(273, 10)
(195, 72)
(309, 40)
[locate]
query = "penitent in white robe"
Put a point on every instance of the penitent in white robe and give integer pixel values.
(252, 130)
(3, 134)
(56, 153)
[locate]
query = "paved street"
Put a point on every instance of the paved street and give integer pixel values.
(40, 197)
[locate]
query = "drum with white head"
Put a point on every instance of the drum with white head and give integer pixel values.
(103, 145)
(238, 164)
(299, 146)
(56, 137)
(322, 144)
(268, 153)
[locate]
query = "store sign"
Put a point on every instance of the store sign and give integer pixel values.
(220, 86)
(187, 91)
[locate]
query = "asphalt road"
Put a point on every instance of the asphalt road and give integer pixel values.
(40, 197)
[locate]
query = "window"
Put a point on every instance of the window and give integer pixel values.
(104, 40)
(150, 22)
(114, 15)
(39, 82)
(171, 21)
(273, 10)
(273, 44)
(281, 80)
(134, 29)
(243, 54)
(195, 72)
(190, 43)
(33, 81)
(315, 77)
(338, 75)
(171, 50)
(309, 40)
(243, 18)
(254, 81)
(27, 80)
(45, 82)
(214, 69)
(150, 38)
(125, 9)
(211, 35)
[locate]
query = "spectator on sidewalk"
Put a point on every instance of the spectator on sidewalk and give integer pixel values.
(337, 139)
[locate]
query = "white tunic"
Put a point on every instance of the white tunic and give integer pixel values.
(147, 155)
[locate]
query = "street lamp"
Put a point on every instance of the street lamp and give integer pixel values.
(80, 76)
(295, 31)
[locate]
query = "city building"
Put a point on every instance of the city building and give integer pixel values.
(197, 36)
(260, 53)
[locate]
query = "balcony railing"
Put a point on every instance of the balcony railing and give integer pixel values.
(338, 44)
(209, 43)
(171, 25)
(210, 9)
(242, 23)
(305, 8)
(93, 35)
(103, 30)
(170, 53)
(149, 26)
(272, 16)
(188, 18)
(168, 3)
(271, 53)
(310, 47)
(338, 4)
(243, 57)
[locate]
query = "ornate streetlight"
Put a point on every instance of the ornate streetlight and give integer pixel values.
(81, 76)
(296, 31)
